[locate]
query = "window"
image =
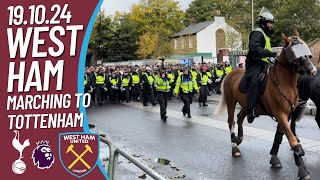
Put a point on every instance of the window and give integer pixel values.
(175, 44)
(190, 42)
(182, 43)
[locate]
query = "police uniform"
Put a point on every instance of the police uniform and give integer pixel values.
(228, 69)
(259, 50)
(209, 74)
(185, 85)
(203, 81)
(100, 85)
(151, 94)
(172, 79)
(114, 88)
(219, 74)
(194, 74)
(146, 88)
(86, 84)
(211, 86)
(125, 87)
(92, 81)
(163, 89)
(135, 86)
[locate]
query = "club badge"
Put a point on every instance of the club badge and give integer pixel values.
(79, 152)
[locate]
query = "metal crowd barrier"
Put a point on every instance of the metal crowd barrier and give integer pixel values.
(113, 162)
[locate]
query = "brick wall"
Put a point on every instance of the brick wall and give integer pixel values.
(186, 49)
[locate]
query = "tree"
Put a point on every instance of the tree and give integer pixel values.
(202, 10)
(147, 44)
(101, 35)
(302, 15)
(122, 46)
(114, 38)
(156, 21)
(289, 14)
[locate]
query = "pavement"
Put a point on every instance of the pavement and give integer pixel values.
(200, 147)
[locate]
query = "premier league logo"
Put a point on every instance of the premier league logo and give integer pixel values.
(42, 155)
(79, 152)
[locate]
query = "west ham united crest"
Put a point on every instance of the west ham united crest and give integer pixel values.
(79, 152)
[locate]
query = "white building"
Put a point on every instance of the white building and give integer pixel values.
(206, 38)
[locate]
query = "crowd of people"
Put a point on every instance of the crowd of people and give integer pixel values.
(156, 84)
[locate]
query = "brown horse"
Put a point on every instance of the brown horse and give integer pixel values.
(278, 99)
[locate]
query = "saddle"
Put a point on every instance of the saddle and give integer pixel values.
(243, 87)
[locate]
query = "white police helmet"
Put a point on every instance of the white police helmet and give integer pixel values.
(265, 15)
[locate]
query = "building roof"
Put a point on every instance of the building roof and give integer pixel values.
(193, 28)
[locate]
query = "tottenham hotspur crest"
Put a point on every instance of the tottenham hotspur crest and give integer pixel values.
(42, 155)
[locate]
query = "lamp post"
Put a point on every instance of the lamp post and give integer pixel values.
(101, 50)
(100, 35)
(252, 15)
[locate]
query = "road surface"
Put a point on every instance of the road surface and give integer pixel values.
(199, 148)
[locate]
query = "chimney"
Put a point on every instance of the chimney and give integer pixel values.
(192, 21)
(219, 20)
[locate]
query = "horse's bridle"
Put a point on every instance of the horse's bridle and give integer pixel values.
(294, 51)
(276, 83)
(298, 51)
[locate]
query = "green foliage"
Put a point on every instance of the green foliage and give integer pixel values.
(156, 21)
(117, 37)
(289, 14)
(144, 33)
(302, 15)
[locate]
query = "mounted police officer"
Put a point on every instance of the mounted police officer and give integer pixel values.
(257, 58)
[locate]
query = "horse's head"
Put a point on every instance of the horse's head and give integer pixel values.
(298, 54)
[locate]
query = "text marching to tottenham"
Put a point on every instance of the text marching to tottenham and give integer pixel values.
(45, 120)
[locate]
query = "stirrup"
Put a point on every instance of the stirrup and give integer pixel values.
(253, 113)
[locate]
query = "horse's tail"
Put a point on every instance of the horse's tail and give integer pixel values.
(222, 103)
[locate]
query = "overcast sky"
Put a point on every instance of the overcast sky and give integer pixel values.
(111, 6)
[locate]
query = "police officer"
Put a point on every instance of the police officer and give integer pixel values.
(135, 85)
(92, 80)
(172, 80)
(87, 84)
(184, 87)
(151, 80)
(219, 74)
(209, 74)
(125, 86)
(100, 85)
(114, 87)
(162, 82)
(227, 68)
(259, 51)
(211, 70)
(203, 81)
(194, 72)
(145, 86)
